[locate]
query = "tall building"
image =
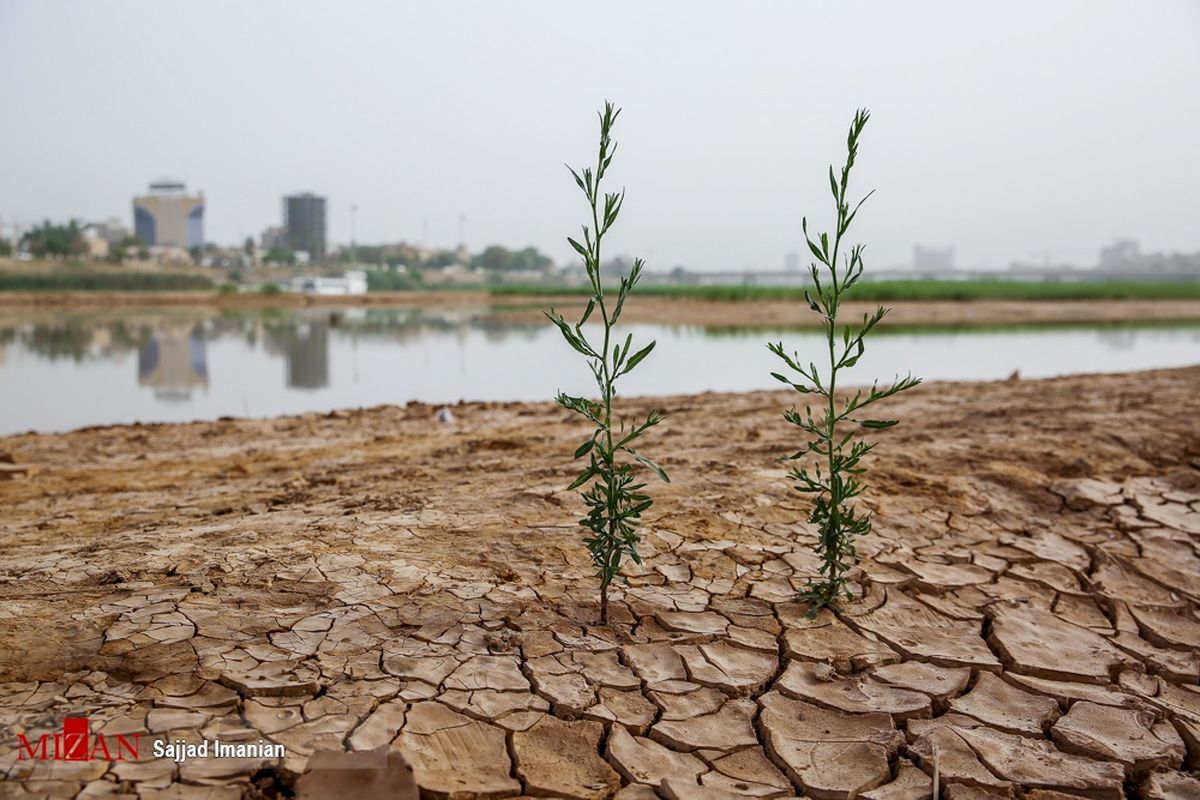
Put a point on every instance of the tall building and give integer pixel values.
(168, 216)
(304, 223)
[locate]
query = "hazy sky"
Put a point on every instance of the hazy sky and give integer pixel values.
(1009, 130)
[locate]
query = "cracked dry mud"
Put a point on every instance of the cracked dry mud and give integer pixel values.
(1027, 617)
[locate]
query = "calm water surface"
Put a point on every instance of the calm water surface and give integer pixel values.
(67, 370)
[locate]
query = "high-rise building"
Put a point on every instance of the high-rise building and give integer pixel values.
(304, 223)
(168, 216)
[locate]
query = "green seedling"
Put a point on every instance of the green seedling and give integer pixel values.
(834, 454)
(608, 484)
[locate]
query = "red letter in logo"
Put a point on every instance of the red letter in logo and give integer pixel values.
(26, 750)
(123, 746)
(75, 739)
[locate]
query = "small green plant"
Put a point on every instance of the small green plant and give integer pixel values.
(614, 499)
(836, 484)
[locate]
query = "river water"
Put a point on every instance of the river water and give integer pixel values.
(71, 369)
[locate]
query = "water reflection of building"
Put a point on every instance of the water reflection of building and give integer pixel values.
(173, 362)
(308, 357)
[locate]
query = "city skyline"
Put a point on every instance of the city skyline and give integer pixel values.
(1029, 134)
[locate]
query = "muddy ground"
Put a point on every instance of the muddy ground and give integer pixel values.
(1028, 619)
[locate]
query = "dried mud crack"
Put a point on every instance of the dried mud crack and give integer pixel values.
(1027, 618)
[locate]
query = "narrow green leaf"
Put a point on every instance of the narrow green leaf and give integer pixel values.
(655, 468)
(578, 247)
(583, 478)
(587, 312)
(638, 356)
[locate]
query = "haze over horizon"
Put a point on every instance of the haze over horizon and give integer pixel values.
(1018, 132)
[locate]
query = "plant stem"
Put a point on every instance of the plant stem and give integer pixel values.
(609, 472)
(833, 512)
(615, 502)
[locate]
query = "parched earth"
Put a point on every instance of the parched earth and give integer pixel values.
(1027, 624)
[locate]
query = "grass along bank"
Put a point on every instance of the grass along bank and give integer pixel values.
(89, 281)
(884, 291)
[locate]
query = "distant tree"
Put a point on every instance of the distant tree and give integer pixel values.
(143, 254)
(248, 246)
(379, 280)
(680, 275)
(500, 259)
(278, 255)
(5, 248)
(361, 254)
(48, 239)
(493, 259)
(531, 259)
(196, 252)
(443, 258)
(120, 250)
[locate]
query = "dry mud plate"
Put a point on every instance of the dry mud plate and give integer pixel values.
(1028, 617)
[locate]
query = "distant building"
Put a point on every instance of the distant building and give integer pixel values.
(1121, 254)
(97, 245)
(112, 231)
(933, 258)
(169, 217)
(351, 282)
(1125, 256)
(304, 224)
(273, 237)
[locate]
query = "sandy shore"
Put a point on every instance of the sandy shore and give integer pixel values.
(647, 309)
(375, 578)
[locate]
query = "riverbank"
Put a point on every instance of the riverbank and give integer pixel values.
(377, 578)
(645, 309)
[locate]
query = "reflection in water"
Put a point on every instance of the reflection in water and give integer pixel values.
(173, 362)
(308, 356)
(264, 363)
